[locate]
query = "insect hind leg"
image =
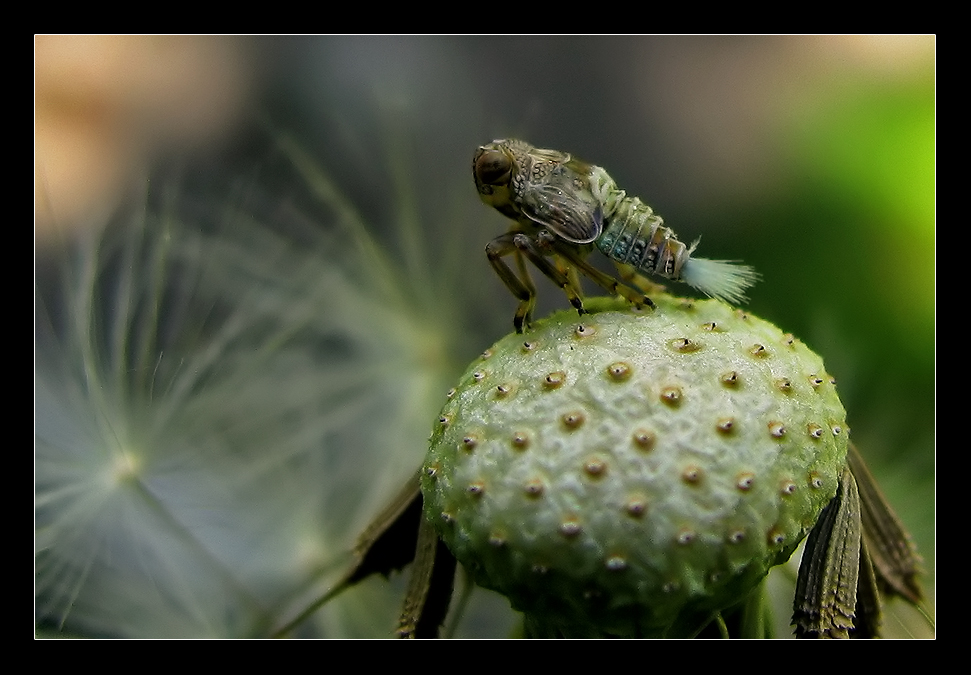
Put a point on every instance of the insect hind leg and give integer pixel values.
(520, 286)
(605, 281)
(630, 276)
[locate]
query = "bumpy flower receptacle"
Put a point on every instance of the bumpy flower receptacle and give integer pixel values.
(615, 473)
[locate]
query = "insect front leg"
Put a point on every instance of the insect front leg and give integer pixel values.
(605, 281)
(520, 286)
(569, 270)
(537, 250)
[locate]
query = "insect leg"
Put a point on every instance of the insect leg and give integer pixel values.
(520, 286)
(537, 255)
(571, 273)
(605, 281)
(526, 318)
(630, 276)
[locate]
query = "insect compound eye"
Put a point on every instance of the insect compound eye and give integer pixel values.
(492, 167)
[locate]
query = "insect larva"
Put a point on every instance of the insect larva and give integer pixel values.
(563, 208)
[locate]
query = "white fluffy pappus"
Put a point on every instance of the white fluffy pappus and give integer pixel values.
(221, 405)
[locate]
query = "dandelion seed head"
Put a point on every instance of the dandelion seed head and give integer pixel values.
(221, 407)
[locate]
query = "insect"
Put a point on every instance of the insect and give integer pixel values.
(563, 208)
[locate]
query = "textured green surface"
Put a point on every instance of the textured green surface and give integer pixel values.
(608, 472)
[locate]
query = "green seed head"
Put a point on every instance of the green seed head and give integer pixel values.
(620, 472)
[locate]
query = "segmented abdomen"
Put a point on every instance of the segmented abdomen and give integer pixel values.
(634, 235)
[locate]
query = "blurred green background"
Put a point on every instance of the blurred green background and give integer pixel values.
(259, 265)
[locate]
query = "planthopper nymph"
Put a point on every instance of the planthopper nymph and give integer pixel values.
(563, 208)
